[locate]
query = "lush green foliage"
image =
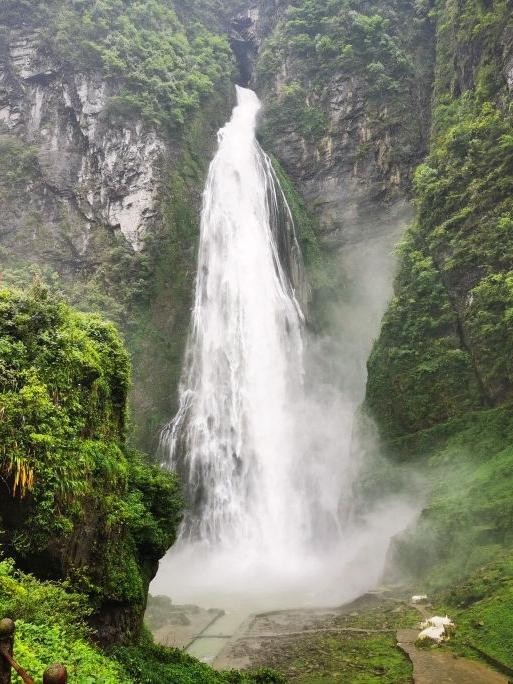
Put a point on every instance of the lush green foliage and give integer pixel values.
(149, 663)
(343, 36)
(50, 627)
(63, 384)
(444, 347)
(470, 35)
(320, 41)
(444, 353)
(468, 518)
(166, 67)
(64, 380)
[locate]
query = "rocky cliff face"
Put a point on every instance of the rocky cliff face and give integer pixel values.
(101, 193)
(104, 199)
(104, 202)
(95, 169)
(350, 143)
(250, 24)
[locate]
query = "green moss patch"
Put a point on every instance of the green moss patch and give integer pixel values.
(481, 607)
(467, 521)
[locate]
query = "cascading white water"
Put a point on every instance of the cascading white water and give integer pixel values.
(234, 438)
(265, 462)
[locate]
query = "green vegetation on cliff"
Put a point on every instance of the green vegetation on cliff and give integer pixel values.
(146, 293)
(344, 37)
(325, 50)
(440, 375)
(76, 503)
(444, 347)
(166, 66)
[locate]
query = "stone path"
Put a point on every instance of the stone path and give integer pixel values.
(435, 666)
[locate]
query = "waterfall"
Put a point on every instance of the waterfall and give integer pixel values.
(262, 443)
(234, 439)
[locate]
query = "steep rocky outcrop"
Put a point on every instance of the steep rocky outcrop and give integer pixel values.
(95, 169)
(443, 350)
(250, 24)
(100, 183)
(350, 143)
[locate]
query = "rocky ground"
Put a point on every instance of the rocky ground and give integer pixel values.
(370, 640)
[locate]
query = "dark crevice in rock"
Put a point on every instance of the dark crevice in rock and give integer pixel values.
(245, 44)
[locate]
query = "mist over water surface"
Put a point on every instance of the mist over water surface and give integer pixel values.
(263, 437)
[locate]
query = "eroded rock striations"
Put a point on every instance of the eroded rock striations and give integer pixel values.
(94, 170)
(101, 184)
(349, 131)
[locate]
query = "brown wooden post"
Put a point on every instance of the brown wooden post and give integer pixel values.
(55, 674)
(7, 629)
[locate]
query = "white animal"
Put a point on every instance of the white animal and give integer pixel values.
(435, 629)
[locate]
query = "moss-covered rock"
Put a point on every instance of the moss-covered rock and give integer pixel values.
(77, 504)
(444, 347)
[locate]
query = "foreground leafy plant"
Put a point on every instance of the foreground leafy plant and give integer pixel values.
(77, 503)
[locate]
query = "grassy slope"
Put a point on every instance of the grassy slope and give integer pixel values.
(358, 657)
(481, 607)
(440, 380)
(461, 550)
